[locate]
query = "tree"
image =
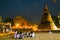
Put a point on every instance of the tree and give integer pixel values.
(0, 28)
(55, 19)
(10, 20)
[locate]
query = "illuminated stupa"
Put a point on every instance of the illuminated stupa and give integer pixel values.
(46, 22)
(20, 23)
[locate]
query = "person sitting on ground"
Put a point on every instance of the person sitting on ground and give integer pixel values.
(32, 34)
(28, 34)
(15, 34)
(21, 35)
(18, 35)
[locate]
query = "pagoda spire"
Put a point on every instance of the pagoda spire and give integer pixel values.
(45, 9)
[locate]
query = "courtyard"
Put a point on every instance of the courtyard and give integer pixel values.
(38, 36)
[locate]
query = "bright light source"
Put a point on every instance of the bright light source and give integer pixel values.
(17, 25)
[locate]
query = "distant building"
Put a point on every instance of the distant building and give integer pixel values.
(4, 27)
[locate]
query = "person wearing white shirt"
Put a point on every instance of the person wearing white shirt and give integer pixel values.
(15, 35)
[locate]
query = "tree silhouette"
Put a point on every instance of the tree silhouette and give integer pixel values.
(8, 19)
(55, 19)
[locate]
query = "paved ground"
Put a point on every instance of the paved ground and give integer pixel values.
(38, 36)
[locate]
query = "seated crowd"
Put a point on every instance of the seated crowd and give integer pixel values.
(22, 35)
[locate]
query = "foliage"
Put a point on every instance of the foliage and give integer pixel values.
(55, 19)
(0, 28)
(8, 19)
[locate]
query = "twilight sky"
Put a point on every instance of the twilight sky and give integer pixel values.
(32, 10)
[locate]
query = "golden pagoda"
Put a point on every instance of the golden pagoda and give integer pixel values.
(20, 22)
(46, 22)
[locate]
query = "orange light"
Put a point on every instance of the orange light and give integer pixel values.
(34, 28)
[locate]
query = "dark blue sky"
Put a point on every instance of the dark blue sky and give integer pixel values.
(32, 10)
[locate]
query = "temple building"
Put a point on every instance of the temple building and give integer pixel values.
(46, 22)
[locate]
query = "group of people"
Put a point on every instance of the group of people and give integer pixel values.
(21, 35)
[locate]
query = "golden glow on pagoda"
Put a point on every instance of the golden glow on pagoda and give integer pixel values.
(17, 25)
(20, 22)
(53, 26)
(35, 27)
